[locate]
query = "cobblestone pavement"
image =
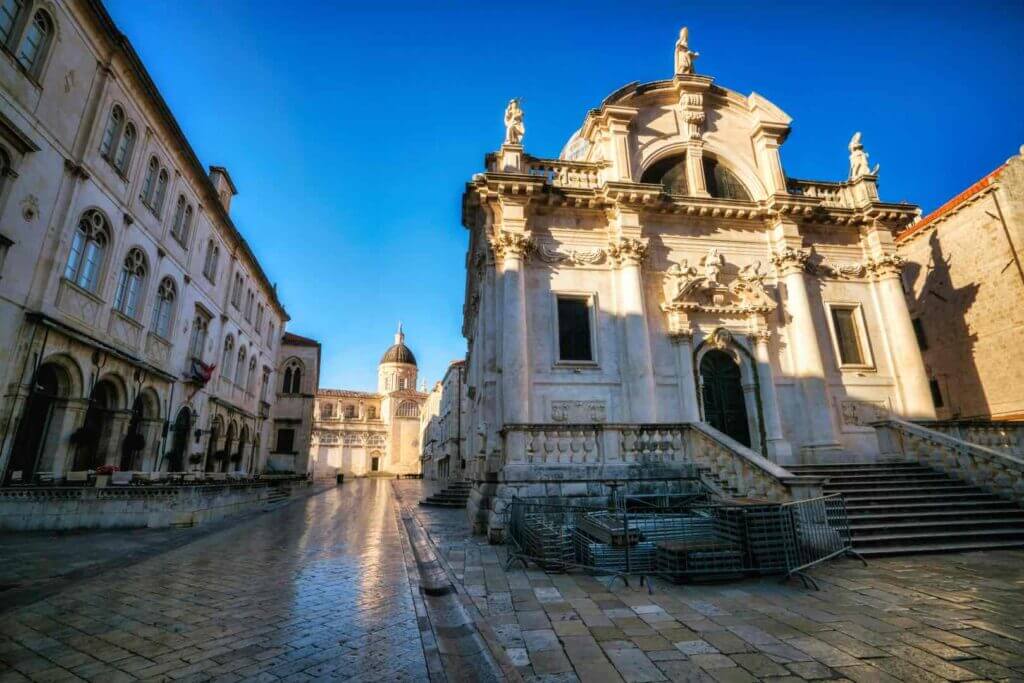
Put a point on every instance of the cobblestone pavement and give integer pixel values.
(315, 590)
(924, 618)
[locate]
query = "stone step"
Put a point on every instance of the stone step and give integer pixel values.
(916, 489)
(866, 528)
(940, 482)
(868, 550)
(438, 504)
(901, 537)
(894, 501)
(929, 475)
(986, 512)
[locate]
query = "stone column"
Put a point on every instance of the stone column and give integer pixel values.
(688, 400)
(908, 369)
(511, 249)
(776, 446)
(637, 364)
(809, 366)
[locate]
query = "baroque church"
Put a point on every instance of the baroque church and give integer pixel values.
(360, 433)
(664, 293)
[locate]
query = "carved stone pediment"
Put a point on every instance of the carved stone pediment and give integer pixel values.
(688, 288)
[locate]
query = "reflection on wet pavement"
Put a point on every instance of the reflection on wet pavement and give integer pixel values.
(315, 589)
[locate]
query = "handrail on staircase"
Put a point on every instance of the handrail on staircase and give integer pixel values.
(990, 469)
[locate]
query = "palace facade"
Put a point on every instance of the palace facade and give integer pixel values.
(443, 426)
(361, 433)
(137, 328)
(663, 290)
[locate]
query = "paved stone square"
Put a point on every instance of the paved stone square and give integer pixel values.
(924, 618)
(315, 590)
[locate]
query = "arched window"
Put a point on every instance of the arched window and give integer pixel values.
(149, 183)
(723, 183)
(236, 291)
(125, 147)
(110, 134)
(179, 217)
(292, 377)
(186, 226)
(164, 308)
(327, 410)
(264, 384)
(210, 266)
(250, 379)
(670, 173)
(161, 191)
(9, 11)
(129, 284)
(198, 342)
(227, 357)
(408, 409)
(87, 247)
(350, 411)
(240, 366)
(36, 42)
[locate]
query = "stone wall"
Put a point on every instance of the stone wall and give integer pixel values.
(47, 509)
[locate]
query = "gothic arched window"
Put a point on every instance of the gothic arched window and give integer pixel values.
(161, 191)
(227, 357)
(123, 157)
(250, 378)
(110, 134)
(36, 42)
(9, 13)
(292, 377)
(130, 282)
(240, 366)
(87, 246)
(164, 308)
(149, 182)
(408, 409)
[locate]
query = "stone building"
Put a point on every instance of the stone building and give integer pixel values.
(361, 433)
(292, 416)
(137, 328)
(663, 292)
(965, 280)
(443, 426)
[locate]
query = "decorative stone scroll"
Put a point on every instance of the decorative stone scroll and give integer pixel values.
(578, 412)
(628, 251)
(587, 256)
(820, 265)
(888, 265)
(688, 288)
(514, 244)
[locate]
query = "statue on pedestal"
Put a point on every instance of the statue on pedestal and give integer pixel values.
(514, 127)
(859, 159)
(684, 56)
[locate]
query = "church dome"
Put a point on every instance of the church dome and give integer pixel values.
(398, 352)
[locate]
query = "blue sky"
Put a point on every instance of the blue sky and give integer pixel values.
(350, 129)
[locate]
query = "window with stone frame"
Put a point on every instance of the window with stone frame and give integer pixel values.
(265, 384)
(848, 335)
(36, 43)
(285, 440)
(87, 249)
(575, 335)
(197, 344)
(350, 411)
(240, 366)
(371, 412)
(327, 411)
(408, 409)
(227, 356)
(210, 265)
(236, 292)
(130, 283)
(163, 309)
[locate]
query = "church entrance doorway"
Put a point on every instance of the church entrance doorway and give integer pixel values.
(375, 464)
(722, 391)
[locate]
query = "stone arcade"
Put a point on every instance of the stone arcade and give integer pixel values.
(662, 294)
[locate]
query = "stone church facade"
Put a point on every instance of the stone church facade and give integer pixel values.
(663, 272)
(965, 280)
(360, 433)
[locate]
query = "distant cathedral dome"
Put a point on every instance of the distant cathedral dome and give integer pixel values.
(399, 352)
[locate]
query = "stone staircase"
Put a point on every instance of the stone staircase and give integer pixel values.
(455, 495)
(898, 507)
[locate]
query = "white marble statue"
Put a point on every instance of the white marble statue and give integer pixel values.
(712, 263)
(514, 127)
(684, 56)
(859, 159)
(680, 279)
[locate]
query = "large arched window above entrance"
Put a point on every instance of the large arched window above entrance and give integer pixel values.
(720, 182)
(408, 409)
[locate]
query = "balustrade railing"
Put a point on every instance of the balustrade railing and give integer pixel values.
(1004, 436)
(998, 471)
(830, 194)
(559, 173)
(726, 465)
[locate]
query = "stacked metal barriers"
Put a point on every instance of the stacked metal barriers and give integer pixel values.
(679, 538)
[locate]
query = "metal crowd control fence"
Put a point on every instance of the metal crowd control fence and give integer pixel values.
(679, 537)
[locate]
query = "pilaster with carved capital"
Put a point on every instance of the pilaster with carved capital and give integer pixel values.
(886, 266)
(789, 260)
(507, 244)
(627, 251)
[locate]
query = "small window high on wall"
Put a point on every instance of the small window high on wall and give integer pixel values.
(846, 326)
(575, 341)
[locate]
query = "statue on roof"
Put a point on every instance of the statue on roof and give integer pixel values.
(514, 127)
(859, 159)
(685, 57)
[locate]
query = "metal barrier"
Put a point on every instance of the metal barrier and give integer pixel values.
(678, 537)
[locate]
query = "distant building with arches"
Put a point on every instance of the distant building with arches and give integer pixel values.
(362, 433)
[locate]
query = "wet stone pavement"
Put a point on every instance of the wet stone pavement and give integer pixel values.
(925, 618)
(315, 590)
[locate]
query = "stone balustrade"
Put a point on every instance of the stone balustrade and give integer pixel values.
(830, 194)
(609, 451)
(994, 470)
(1004, 436)
(559, 173)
